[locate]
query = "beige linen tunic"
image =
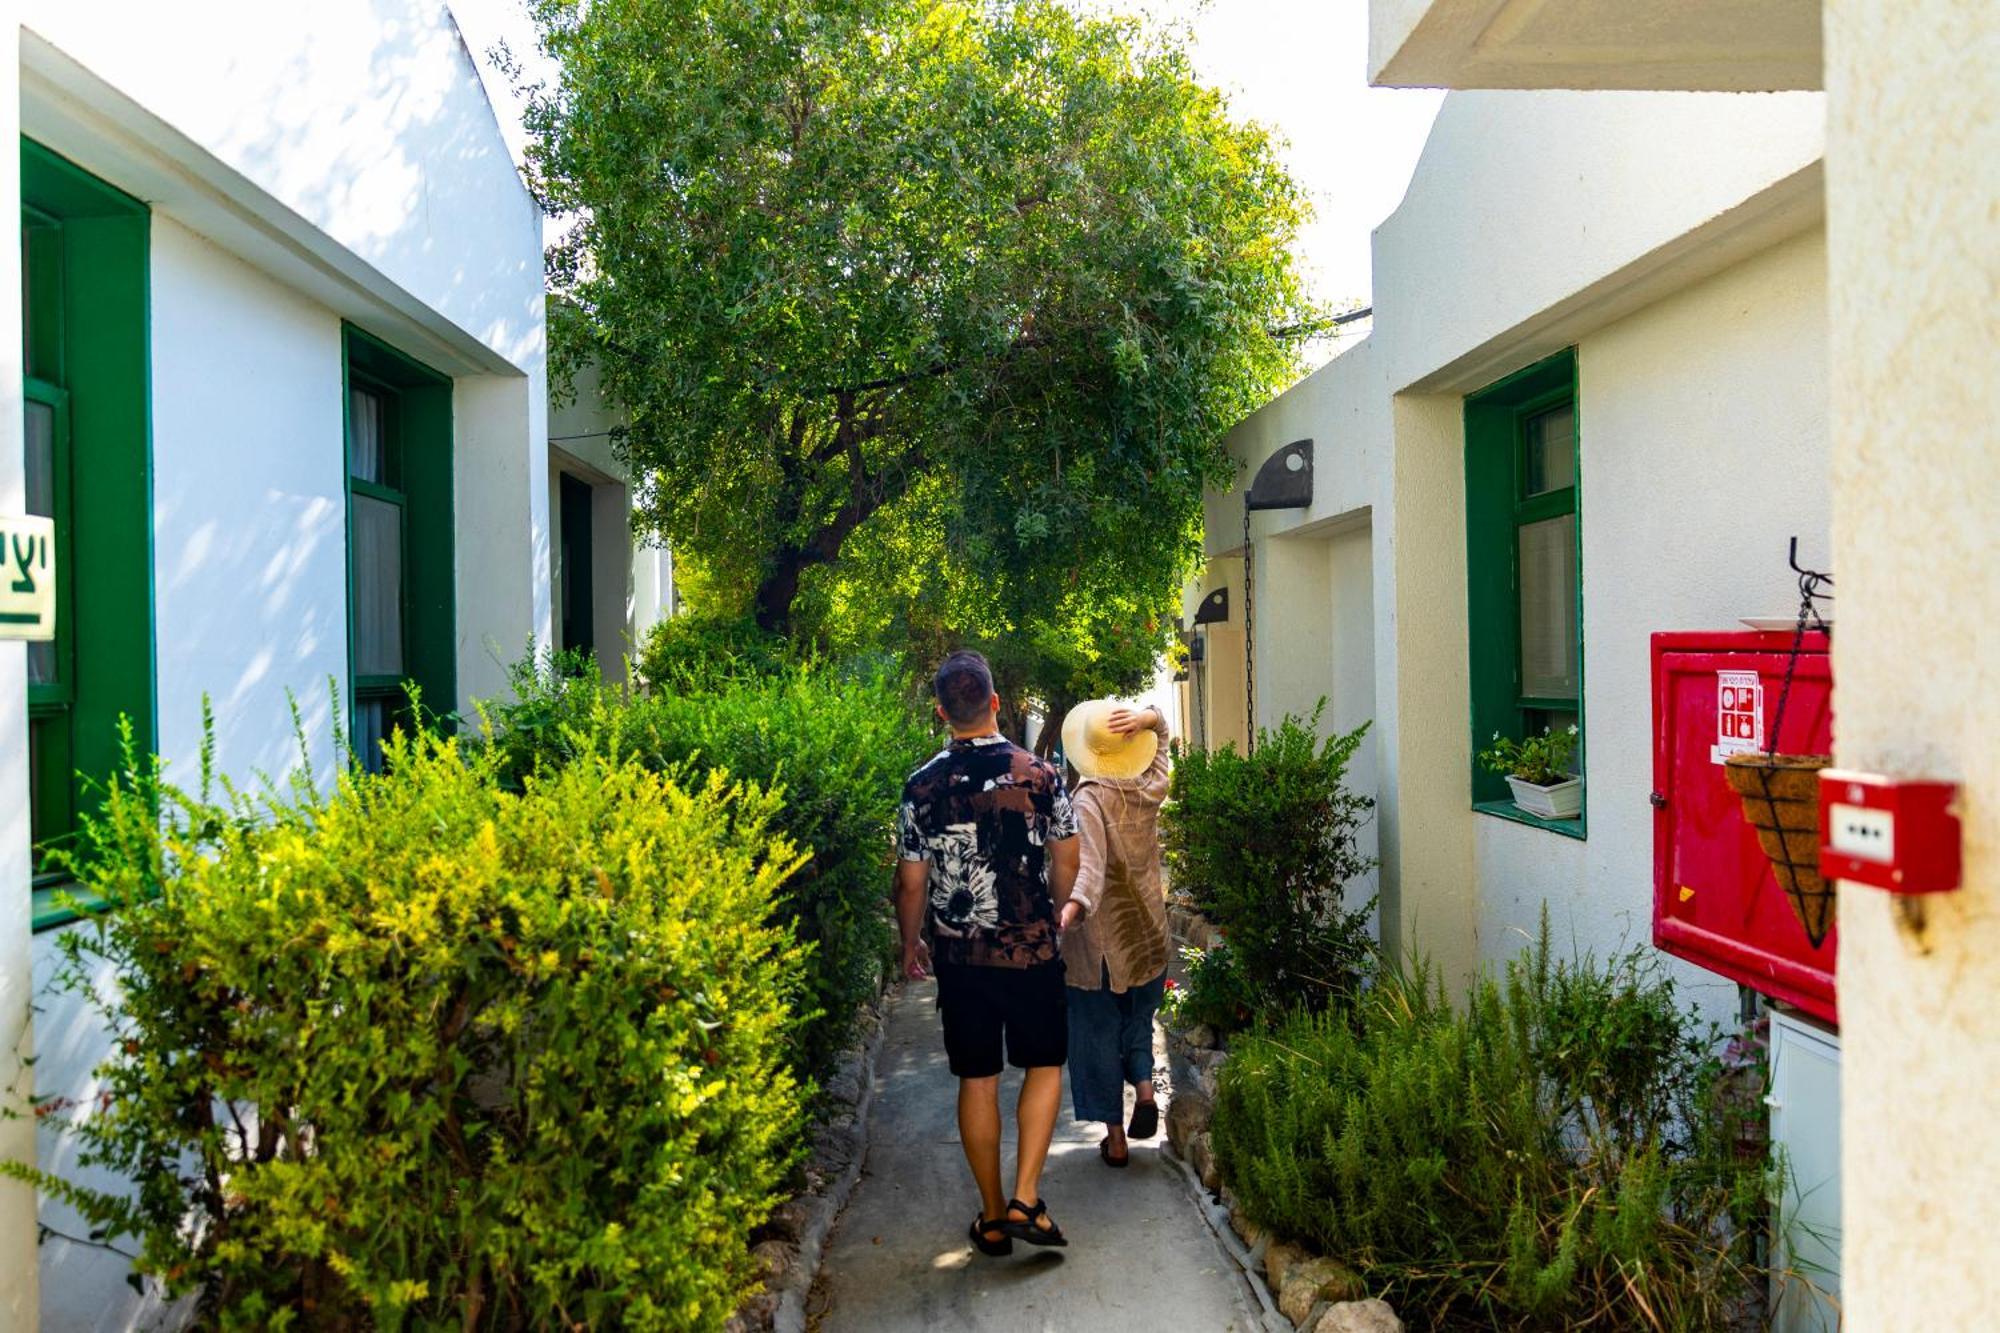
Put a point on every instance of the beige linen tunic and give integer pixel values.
(1118, 882)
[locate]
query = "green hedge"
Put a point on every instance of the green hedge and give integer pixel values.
(423, 1053)
(834, 744)
(1266, 844)
(1551, 1155)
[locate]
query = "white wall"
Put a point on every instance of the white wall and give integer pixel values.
(249, 509)
(1913, 220)
(349, 153)
(1672, 238)
(1704, 448)
(1532, 210)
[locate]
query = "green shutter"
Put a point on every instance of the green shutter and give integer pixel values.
(88, 326)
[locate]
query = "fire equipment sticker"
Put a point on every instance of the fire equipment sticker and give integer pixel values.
(1739, 714)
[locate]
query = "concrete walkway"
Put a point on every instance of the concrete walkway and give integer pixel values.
(1139, 1256)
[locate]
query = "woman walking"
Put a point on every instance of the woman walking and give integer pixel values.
(1115, 943)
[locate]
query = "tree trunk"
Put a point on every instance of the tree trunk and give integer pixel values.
(778, 591)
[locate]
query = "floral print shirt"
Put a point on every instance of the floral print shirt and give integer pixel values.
(981, 813)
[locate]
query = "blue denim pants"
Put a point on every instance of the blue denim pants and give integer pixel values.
(1110, 1045)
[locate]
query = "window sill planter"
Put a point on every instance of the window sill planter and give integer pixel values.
(1563, 800)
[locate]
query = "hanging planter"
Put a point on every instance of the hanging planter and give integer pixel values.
(1780, 795)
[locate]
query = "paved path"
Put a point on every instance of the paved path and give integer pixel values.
(1139, 1256)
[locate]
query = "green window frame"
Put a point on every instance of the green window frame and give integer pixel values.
(1524, 534)
(86, 362)
(397, 448)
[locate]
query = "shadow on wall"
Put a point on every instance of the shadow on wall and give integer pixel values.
(376, 118)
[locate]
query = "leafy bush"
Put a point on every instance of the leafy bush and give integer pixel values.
(1554, 1155)
(1265, 843)
(833, 745)
(693, 653)
(422, 1053)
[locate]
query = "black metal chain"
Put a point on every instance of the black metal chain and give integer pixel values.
(1249, 636)
(1810, 583)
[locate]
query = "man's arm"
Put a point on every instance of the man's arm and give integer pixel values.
(912, 880)
(1064, 855)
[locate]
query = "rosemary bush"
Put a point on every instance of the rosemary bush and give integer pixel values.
(418, 1052)
(1551, 1155)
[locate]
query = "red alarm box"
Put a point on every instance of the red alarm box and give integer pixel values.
(1716, 901)
(1899, 834)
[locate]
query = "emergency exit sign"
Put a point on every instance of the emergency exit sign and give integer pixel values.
(27, 577)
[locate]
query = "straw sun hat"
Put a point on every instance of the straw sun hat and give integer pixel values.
(1097, 750)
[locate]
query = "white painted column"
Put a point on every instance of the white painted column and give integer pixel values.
(19, 1307)
(1913, 229)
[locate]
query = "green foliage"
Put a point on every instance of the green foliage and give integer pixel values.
(692, 653)
(1265, 843)
(833, 744)
(1552, 1155)
(978, 286)
(418, 1052)
(1542, 760)
(1216, 993)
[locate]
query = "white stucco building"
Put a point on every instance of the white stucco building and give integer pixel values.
(272, 357)
(1654, 305)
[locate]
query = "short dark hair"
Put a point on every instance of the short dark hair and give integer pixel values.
(964, 687)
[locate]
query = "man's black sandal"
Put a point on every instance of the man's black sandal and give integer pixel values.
(997, 1248)
(1145, 1121)
(1104, 1151)
(1031, 1230)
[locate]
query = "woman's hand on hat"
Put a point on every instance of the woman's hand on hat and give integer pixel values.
(1125, 721)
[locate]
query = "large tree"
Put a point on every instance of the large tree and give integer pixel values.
(954, 293)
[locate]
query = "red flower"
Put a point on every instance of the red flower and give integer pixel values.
(1172, 984)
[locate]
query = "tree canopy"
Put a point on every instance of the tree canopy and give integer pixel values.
(926, 317)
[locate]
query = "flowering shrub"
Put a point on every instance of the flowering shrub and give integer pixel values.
(418, 1052)
(1217, 993)
(1542, 760)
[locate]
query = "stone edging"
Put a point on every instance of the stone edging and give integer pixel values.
(1324, 1297)
(799, 1227)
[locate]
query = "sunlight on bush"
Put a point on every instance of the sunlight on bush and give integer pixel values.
(420, 1052)
(833, 745)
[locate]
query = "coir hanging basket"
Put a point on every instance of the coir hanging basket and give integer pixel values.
(1781, 800)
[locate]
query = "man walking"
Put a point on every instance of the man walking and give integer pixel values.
(988, 851)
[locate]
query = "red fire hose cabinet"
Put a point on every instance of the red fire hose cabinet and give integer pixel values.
(1716, 901)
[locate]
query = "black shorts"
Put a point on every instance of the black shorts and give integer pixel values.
(980, 1004)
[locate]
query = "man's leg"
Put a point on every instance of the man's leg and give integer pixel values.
(979, 1133)
(1035, 1123)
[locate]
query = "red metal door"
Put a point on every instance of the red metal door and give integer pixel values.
(1715, 901)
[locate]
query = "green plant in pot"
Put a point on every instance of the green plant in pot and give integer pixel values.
(1537, 770)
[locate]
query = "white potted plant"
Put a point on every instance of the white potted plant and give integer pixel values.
(1537, 769)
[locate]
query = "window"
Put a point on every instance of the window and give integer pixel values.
(401, 620)
(87, 466)
(1525, 569)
